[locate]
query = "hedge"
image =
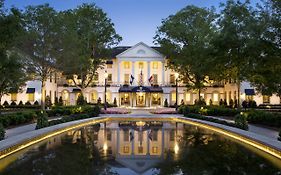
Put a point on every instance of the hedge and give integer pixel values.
(264, 118)
(17, 118)
(237, 123)
(209, 110)
(77, 113)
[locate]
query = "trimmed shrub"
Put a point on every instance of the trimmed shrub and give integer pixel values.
(36, 103)
(20, 103)
(17, 118)
(60, 101)
(48, 102)
(115, 101)
(81, 100)
(241, 121)
(5, 103)
(231, 103)
(42, 120)
(13, 103)
(27, 103)
(2, 132)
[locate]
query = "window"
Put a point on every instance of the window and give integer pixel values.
(229, 95)
(140, 65)
(234, 95)
(154, 149)
(172, 79)
(155, 65)
(249, 97)
(55, 77)
(108, 135)
(14, 96)
(94, 96)
(51, 96)
(109, 66)
(187, 97)
(96, 77)
(266, 98)
(216, 97)
(155, 79)
(30, 97)
(140, 149)
(126, 135)
(173, 96)
(109, 78)
(126, 149)
(126, 65)
(126, 78)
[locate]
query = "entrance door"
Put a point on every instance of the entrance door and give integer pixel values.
(140, 99)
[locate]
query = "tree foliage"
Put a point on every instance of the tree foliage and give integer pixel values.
(85, 43)
(12, 70)
(186, 38)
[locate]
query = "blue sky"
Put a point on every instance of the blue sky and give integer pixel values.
(135, 20)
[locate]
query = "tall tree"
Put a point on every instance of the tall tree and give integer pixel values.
(12, 71)
(39, 43)
(85, 43)
(265, 75)
(186, 38)
(233, 43)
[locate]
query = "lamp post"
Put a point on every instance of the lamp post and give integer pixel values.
(105, 84)
(176, 76)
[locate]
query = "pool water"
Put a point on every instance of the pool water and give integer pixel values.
(149, 148)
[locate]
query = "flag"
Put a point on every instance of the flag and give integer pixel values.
(132, 79)
(150, 79)
(150, 135)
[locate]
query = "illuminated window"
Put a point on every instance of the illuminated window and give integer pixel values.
(266, 98)
(174, 96)
(30, 97)
(140, 65)
(126, 78)
(249, 97)
(126, 65)
(109, 78)
(187, 97)
(172, 79)
(216, 97)
(94, 96)
(154, 149)
(155, 65)
(14, 96)
(140, 149)
(126, 149)
(109, 66)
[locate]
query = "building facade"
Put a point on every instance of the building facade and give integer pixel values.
(137, 76)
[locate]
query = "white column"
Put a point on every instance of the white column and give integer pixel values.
(163, 72)
(118, 72)
(133, 71)
(148, 71)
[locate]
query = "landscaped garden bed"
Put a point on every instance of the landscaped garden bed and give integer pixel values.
(164, 111)
(115, 111)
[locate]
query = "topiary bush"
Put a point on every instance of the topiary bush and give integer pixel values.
(166, 103)
(27, 103)
(5, 103)
(13, 103)
(36, 103)
(42, 120)
(241, 121)
(48, 102)
(2, 132)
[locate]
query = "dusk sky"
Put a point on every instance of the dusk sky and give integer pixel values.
(135, 20)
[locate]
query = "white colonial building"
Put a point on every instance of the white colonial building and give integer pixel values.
(128, 75)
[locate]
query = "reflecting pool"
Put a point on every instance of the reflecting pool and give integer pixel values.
(149, 148)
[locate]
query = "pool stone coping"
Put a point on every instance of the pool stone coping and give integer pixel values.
(19, 142)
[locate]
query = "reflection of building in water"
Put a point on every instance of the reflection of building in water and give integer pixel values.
(138, 147)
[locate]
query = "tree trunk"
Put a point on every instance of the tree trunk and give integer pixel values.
(43, 94)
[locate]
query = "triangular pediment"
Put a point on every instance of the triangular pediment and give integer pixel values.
(140, 50)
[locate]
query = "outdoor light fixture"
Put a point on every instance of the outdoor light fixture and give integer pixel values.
(140, 124)
(176, 148)
(105, 147)
(105, 84)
